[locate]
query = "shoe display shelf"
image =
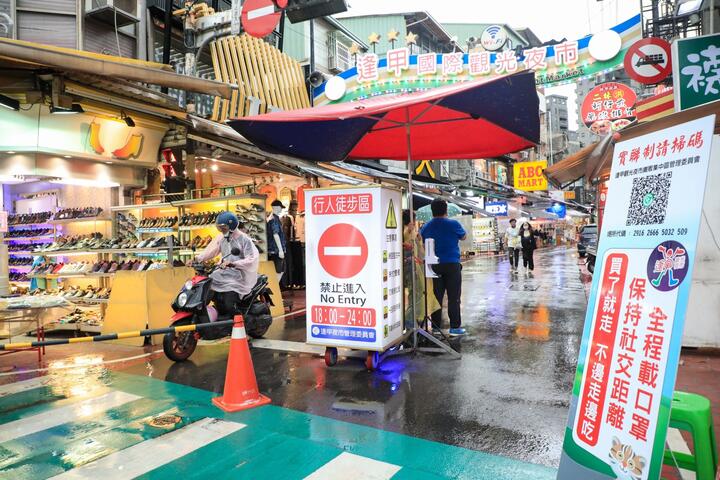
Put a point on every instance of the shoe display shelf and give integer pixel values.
(485, 235)
(26, 232)
(88, 226)
(196, 221)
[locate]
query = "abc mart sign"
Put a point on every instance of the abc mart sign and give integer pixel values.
(400, 72)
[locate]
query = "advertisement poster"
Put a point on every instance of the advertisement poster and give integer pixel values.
(529, 176)
(620, 408)
(695, 78)
(608, 108)
(354, 267)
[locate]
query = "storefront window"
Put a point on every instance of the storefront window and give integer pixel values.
(7, 23)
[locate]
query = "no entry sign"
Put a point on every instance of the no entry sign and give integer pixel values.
(649, 61)
(354, 282)
(342, 250)
(260, 17)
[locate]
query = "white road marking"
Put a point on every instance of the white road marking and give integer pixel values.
(677, 444)
(151, 454)
(70, 367)
(354, 467)
(260, 12)
(23, 386)
(343, 251)
(302, 347)
(58, 416)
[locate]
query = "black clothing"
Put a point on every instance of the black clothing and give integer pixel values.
(450, 280)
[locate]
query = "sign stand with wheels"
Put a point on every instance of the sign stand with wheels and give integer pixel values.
(354, 271)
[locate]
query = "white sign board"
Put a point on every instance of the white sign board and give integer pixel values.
(354, 282)
(633, 328)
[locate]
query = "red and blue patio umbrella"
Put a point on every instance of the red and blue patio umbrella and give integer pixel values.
(477, 119)
(483, 118)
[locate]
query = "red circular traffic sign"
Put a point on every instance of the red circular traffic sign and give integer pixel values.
(649, 60)
(260, 17)
(342, 250)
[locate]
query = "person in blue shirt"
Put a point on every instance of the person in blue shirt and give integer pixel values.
(447, 234)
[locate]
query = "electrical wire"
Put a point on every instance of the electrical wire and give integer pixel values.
(117, 35)
(712, 233)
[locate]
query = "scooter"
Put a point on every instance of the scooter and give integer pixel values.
(192, 306)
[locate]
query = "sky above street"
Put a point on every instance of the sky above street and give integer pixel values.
(549, 19)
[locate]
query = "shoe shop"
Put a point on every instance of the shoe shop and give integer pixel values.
(61, 174)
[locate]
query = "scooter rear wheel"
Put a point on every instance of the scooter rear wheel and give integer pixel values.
(179, 346)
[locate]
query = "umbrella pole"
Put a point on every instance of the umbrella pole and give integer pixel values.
(412, 220)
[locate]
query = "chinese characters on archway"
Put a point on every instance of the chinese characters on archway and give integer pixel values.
(456, 63)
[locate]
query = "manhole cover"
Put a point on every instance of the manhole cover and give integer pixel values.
(165, 421)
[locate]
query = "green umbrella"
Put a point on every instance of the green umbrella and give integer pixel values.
(424, 214)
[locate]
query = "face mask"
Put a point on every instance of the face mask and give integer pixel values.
(277, 210)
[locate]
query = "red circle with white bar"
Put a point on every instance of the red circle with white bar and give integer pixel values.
(260, 17)
(649, 60)
(342, 250)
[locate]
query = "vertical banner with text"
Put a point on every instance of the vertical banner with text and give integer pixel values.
(354, 267)
(620, 408)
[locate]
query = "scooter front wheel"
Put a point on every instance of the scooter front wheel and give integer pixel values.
(179, 346)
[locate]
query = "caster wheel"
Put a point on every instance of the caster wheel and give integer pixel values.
(331, 356)
(372, 360)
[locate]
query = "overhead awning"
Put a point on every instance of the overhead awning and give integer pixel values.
(32, 55)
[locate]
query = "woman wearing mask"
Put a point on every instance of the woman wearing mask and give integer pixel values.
(527, 239)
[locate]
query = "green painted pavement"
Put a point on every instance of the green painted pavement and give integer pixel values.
(277, 442)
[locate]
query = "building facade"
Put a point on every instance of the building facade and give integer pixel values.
(557, 127)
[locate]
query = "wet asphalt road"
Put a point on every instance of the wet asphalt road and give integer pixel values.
(508, 395)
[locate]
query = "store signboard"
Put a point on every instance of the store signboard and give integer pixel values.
(608, 107)
(529, 176)
(354, 267)
(634, 323)
(696, 68)
(398, 71)
(498, 209)
(81, 135)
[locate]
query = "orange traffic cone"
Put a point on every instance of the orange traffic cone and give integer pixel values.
(241, 390)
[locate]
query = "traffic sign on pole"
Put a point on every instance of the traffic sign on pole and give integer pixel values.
(649, 61)
(260, 17)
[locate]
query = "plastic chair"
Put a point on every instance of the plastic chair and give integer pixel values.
(691, 412)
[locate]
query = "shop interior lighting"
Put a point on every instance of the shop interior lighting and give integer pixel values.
(75, 108)
(9, 103)
(127, 119)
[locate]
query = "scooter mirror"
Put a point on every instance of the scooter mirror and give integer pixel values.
(235, 251)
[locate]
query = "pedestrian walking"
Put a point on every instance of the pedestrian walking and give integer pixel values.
(527, 240)
(447, 234)
(512, 238)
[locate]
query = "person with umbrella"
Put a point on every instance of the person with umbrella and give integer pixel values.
(447, 234)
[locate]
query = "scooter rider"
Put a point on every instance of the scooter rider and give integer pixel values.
(231, 284)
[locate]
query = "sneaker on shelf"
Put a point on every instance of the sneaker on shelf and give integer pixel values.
(457, 332)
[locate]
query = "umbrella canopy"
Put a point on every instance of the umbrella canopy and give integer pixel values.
(424, 214)
(483, 118)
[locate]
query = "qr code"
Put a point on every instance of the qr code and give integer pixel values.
(649, 199)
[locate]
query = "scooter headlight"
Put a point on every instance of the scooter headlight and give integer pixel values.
(188, 285)
(182, 299)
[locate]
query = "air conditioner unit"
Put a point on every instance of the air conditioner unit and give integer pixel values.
(338, 54)
(112, 12)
